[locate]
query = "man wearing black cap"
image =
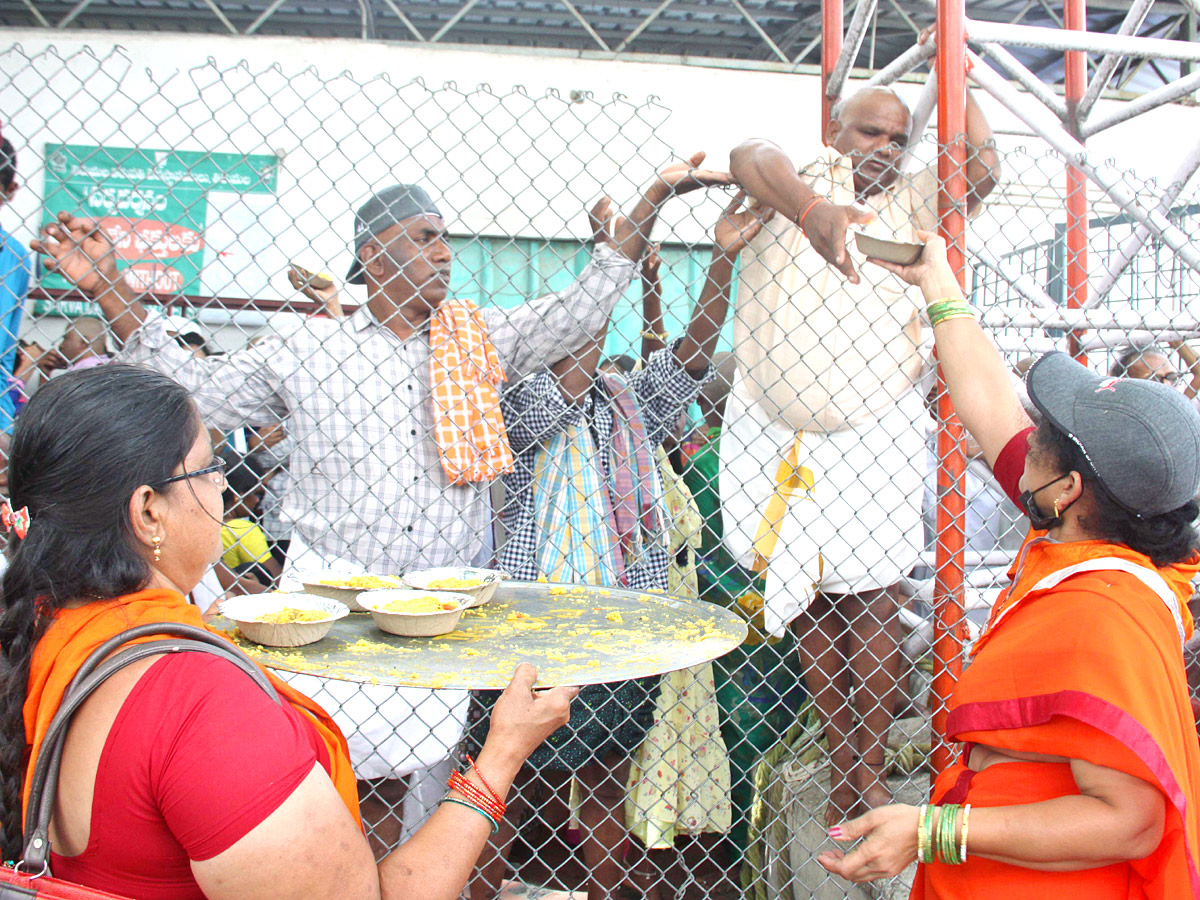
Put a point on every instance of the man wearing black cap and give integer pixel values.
(369, 484)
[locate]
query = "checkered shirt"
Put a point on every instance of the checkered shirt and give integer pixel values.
(367, 485)
(534, 410)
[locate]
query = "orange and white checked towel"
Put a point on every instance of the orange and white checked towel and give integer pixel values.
(466, 375)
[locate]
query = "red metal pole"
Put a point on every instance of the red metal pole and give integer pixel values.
(831, 48)
(951, 511)
(1075, 19)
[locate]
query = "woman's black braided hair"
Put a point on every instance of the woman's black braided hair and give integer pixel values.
(84, 443)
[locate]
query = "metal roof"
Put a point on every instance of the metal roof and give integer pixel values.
(766, 31)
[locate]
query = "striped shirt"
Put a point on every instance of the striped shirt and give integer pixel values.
(535, 410)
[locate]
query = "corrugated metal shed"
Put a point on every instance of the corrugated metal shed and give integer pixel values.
(702, 29)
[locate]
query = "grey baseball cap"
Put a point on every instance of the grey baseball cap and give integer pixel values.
(388, 207)
(1141, 437)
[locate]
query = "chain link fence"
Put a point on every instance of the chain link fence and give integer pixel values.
(214, 183)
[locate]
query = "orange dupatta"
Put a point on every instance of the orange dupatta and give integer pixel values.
(75, 633)
(466, 374)
(1088, 666)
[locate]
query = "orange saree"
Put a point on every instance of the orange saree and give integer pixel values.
(1082, 658)
(75, 633)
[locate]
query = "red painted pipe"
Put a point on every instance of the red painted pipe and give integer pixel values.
(1075, 19)
(949, 629)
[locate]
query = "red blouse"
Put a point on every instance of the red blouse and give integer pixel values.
(197, 757)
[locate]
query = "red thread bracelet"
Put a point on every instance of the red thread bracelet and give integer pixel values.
(484, 781)
(471, 792)
(811, 203)
(475, 795)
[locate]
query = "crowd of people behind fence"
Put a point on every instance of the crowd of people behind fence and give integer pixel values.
(151, 474)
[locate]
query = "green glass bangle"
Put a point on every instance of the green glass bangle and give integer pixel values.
(947, 826)
(927, 827)
(943, 310)
(937, 834)
(495, 825)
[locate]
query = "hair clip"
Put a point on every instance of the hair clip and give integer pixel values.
(14, 520)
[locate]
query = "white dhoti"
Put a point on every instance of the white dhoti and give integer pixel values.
(836, 512)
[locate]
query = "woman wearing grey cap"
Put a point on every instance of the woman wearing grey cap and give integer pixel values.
(1080, 764)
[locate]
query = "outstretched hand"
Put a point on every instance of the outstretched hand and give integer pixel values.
(78, 249)
(737, 229)
(685, 176)
(600, 221)
(651, 265)
(614, 229)
(826, 225)
(317, 287)
(931, 264)
(889, 844)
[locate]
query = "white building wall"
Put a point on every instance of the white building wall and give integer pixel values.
(349, 116)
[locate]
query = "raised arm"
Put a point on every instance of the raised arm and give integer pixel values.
(540, 406)
(1192, 361)
(654, 330)
(975, 373)
(733, 232)
(546, 330)
(983, 162)
(241, 388)
(766, 173)
(78, 249)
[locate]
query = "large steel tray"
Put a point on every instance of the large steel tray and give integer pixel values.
(573, 634)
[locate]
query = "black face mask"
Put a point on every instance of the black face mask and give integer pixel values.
(1038, 519)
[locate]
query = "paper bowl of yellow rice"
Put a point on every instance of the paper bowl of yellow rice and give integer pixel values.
(478, 584)
(411, 613)
(283, 620)
(345, 587)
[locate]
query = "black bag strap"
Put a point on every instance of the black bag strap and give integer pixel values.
(95, 670)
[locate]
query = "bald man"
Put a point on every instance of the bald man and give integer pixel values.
(83, 345)
(822, 456)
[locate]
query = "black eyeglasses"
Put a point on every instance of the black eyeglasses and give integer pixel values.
(217, 470)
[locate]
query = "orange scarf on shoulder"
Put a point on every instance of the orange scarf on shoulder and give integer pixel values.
(1089, 666)
(466, 374)
(75, 633)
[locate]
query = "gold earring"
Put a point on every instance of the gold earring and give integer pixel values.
(1057, 514)
(158, 549)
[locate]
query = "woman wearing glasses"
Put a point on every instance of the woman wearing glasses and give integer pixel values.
(180, 777)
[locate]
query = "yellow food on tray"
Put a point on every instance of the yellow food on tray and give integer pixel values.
(455, 584)
(362, 582)
(426, 604)
(291, 616)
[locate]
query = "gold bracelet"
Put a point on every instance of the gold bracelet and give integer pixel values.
(656, 335)
(957, 315)
(966, 813)
(921, 832)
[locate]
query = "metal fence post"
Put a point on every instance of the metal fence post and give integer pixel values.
(951, 513)
(1075, 19)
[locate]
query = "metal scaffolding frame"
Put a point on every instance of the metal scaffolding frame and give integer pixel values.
(989, 67)
(757, 34)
